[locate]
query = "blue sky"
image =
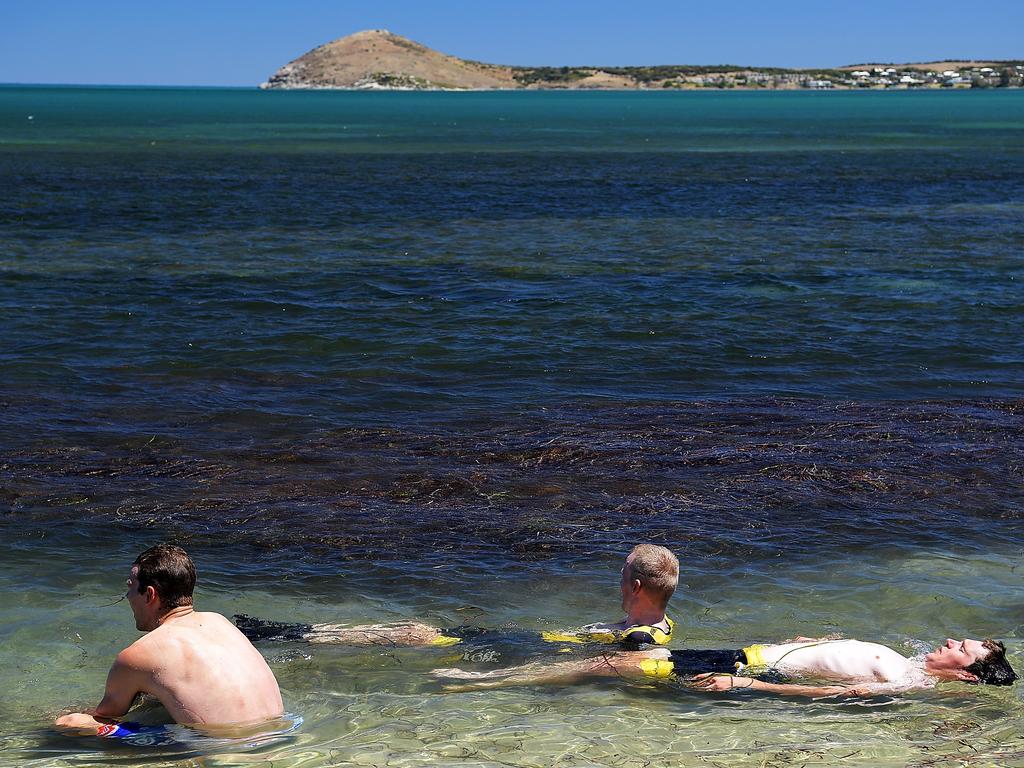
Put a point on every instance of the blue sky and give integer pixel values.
(241, 42)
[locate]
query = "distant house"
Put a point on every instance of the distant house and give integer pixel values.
(818, 84)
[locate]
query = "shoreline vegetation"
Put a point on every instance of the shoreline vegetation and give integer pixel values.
(381, 60)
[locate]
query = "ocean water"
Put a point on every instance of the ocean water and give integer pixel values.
(447, 356)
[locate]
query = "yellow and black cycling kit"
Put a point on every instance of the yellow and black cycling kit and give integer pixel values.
(638, 634)
(687, 662)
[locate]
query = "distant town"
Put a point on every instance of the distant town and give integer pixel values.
(1003, 75)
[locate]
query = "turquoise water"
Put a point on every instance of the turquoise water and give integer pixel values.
(447, 356)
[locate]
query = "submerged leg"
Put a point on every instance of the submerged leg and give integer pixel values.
(402, 633)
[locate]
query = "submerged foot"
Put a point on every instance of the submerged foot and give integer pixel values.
(465, 674)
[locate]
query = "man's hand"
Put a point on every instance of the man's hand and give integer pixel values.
(861, 690)
(712, 682)
(80, 724)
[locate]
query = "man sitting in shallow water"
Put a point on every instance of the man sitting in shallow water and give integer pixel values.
(649, 577)
(859, 668)
(202, 669)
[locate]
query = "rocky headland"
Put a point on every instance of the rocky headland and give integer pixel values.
(380, 60)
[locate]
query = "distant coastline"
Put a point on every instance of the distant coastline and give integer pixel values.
(381, 60)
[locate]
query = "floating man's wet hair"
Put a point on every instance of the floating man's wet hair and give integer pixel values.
(994, 669)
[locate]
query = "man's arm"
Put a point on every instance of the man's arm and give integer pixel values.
(713, 682)
(123, 685)
(624, 665)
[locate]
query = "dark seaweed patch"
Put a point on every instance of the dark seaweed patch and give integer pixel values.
(744, 477)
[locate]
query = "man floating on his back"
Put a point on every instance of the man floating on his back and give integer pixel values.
(649, 577)
(847, 667)
(198, 665)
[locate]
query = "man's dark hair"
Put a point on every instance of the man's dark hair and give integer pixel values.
(994, 669)
(169, 570)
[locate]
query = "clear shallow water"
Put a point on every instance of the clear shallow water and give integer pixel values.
(380, 707)
(447, 356)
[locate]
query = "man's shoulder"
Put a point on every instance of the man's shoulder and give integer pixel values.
(212, 617)
(139, 656)
(207, 627)
(194, 620)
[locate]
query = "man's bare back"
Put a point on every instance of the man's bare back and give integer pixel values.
(198, 665)
(203, 670)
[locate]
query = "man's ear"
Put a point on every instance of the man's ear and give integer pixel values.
(635, 586)
(151, 595)
(967, 677)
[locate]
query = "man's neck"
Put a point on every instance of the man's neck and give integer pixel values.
(646, 616)
(175, 613)
(940, 674)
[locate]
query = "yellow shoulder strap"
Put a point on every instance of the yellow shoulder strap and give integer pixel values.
(657, 634)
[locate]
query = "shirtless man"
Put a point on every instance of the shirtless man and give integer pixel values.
(649, 577)
(202, 669)
(861, 668)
